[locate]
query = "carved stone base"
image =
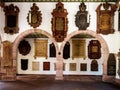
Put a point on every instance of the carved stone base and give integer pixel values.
(59, 78)
(119, 72)
(117, 81)
(107, 78)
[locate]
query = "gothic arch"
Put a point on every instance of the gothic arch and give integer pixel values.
(104, 45)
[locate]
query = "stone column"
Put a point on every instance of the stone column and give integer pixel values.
(119, 63)
(59, 67)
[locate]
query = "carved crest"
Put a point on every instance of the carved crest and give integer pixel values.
(34, 16)
(82, 19)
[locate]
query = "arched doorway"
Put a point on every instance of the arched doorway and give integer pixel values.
(21, 37)
(103, 43)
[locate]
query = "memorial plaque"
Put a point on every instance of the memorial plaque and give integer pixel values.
(24, 47)
(94, 49)
(111, 68)
(59, 22)
(11, 19)
(7, 59)
(94, 65)
(83, 67)
(78, 49)
(66, 51)
(35, 66)
(24, 64)
(52, 50)
(105, 18)
(46, 66)
(72, 66)
(82, 17)
(34, 17)
(41, 48)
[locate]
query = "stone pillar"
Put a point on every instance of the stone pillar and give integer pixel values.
(59, 67)
(119, 63)
(0, 69)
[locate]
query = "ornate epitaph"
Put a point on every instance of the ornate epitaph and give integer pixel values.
(82, 19)
(34, 16)
(105, 18)
(11, 19)
(94, 49)
(59, 22)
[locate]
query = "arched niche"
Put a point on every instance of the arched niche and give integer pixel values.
(103, 43)
(21, 37)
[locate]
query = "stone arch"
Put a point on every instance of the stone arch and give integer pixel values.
(103, 43)
(21, 36)
(0, 57)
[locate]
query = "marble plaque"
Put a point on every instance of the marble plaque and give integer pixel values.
(35, 66)
(72, 67)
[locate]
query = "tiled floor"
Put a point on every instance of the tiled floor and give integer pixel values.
(48, 83)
